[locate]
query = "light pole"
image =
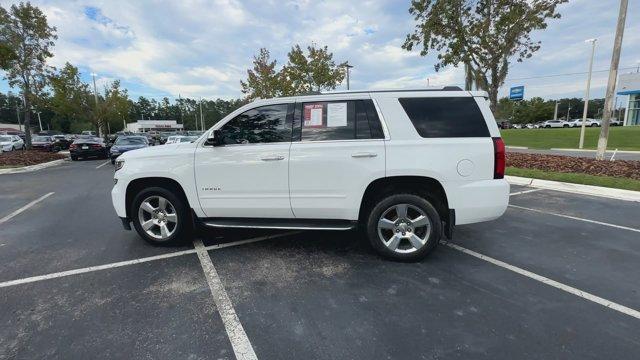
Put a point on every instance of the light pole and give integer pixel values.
(555, 112)
(586, 95)
(347, 67)
(39, 120)
(568, 111)
(95, 96)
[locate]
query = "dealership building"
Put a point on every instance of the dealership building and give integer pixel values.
(629, 84)
(154, 125)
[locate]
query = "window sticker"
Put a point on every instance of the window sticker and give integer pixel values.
(337, 114)
(313, 115)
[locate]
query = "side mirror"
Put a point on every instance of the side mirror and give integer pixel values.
(216, 139)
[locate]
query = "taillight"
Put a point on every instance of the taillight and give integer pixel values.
(499, 158)
(96, 146)
(73, 147)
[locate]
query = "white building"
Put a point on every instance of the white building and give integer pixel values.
(629, 84)
(154, 125)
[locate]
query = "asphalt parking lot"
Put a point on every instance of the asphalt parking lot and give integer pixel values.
(555, 277)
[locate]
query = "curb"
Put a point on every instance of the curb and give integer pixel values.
(619, 194)
(590, 150)
(31, 168)
(517, 147)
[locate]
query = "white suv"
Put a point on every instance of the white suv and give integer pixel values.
(407, 166)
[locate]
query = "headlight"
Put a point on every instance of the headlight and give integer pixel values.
(119, 164)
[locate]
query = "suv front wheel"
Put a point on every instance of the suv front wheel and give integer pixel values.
(404, 227)
(160, 217)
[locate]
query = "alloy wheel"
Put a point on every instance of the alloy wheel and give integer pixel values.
(404, 228)
(158, 217)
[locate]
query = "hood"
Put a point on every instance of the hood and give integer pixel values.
(156, 151)
(128, 147)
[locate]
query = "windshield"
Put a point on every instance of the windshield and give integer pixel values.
(5, 138)
(131, 141)
(42, 138)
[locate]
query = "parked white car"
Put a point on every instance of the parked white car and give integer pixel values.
(555, 124)
(11, 143)
(404, 166)
(588, 122)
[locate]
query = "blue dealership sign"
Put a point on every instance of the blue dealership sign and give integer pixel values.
(516, 93)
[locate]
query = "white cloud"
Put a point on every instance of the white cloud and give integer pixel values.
(203, 48)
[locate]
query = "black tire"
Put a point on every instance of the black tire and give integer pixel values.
(113, 161)
(594, 125)
(74, 158)
(413, 200)
(183, 230)
(565, 126)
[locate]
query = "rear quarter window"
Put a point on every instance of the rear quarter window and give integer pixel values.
(445, 117)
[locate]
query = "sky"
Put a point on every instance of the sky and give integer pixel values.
(204, 48)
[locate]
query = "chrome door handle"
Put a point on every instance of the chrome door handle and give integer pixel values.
(272, 158)
(364, 155)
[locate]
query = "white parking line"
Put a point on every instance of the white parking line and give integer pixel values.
(524, 192)
(583, 294)
(132, 262)
(237, 336)
(17, 212)
(576, 218)
(103, 164)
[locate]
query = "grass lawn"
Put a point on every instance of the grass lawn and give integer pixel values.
(577, 178)
(620, 137)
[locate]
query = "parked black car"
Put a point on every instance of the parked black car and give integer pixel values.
(44, 143)
(62, 141)
(88, 146)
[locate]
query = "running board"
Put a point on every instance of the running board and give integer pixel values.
(289, 224)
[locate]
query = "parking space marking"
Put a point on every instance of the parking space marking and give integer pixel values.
(103, 164)
(576, 218)
(524, 192)
(134, 261)
(570, 289)
(94, 268)
(237, 336)
(26, 207)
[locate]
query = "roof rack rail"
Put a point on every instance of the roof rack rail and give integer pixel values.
(443, 88)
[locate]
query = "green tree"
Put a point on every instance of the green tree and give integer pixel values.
(116, 106)
(314, 71)
(70, 98)
(263, 81)
(483, 35)
(27, 39)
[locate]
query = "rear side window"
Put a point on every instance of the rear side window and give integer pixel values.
(338, 120)
(445, 117)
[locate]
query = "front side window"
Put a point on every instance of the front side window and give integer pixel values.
(265, 124)
(338, 120)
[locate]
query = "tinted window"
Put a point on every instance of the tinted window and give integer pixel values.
(445, 117)
(264, 124)
(336, 120)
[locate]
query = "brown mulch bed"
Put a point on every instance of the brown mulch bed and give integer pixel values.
(28, 157)
(568, 164)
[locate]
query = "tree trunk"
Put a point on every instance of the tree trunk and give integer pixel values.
(493, 97)
(27, 119)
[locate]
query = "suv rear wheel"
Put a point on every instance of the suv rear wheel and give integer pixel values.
(404, 227)
(160, 217)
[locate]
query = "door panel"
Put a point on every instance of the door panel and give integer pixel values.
(244, 180)
(328, 178)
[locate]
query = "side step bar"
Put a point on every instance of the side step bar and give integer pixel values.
(289, 224)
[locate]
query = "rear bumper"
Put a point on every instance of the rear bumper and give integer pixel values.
(88, 153)
(477, 201)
